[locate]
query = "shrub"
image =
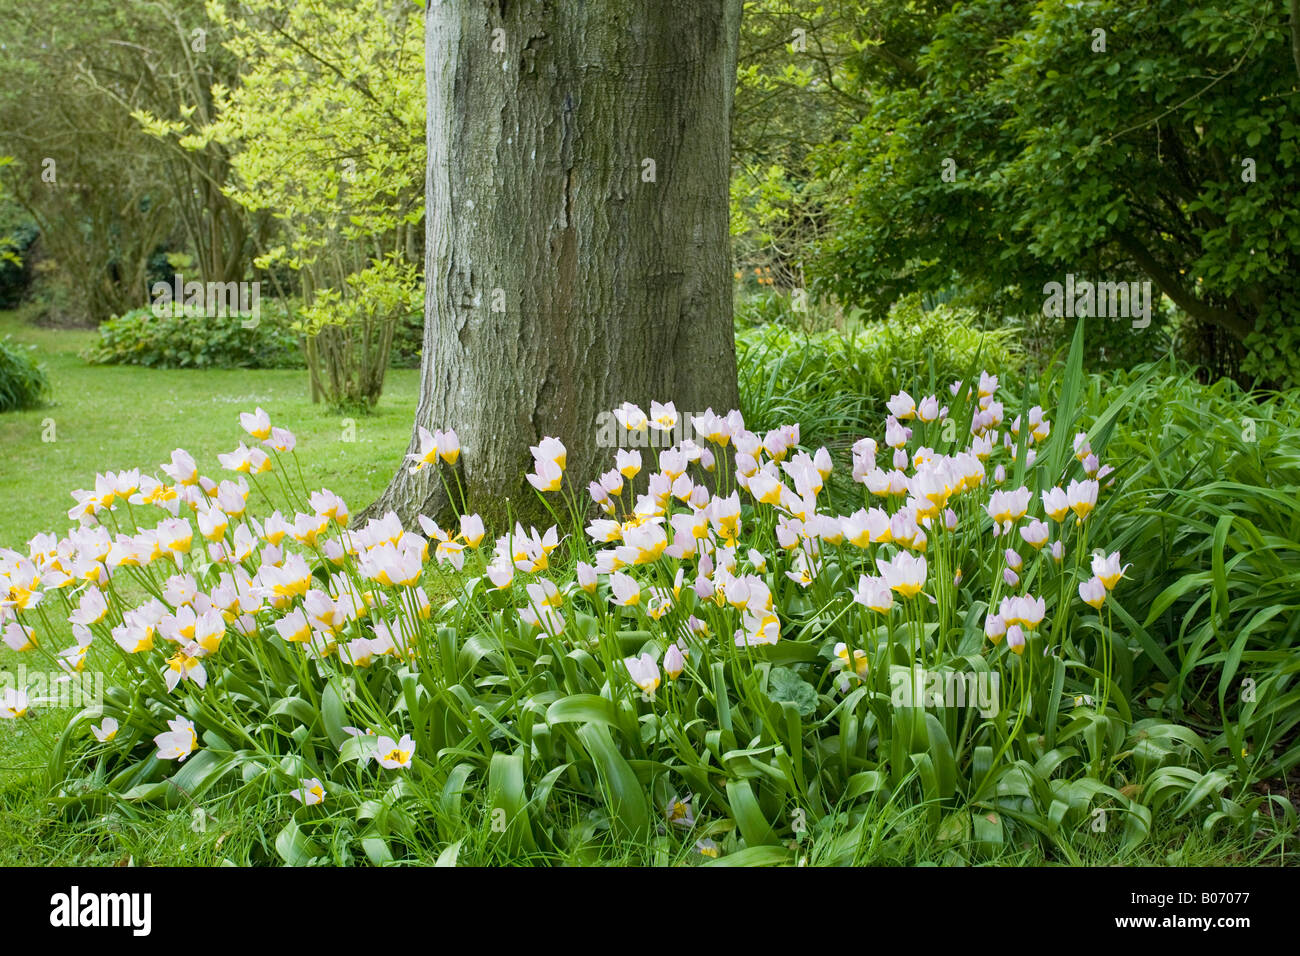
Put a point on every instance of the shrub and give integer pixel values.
(408, 340)
(835, 383)
(23, 384)
(1111, 343)
(141, 338)
(740, 668)
(350, 332)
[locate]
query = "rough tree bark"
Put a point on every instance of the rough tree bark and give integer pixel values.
(578, 250)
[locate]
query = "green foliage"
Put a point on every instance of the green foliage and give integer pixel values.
(790, 98)
(1210, 517)
(350, 335)
(15, 272)
(23, 384)
(408, 340)
(355, 136)
(350, 217)
(105, 195)
(762, 302)
(835, 384)
(180, 341)
(1003, 147)
(1111, 343)
(18, 232)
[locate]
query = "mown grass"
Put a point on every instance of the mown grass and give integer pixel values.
(105, 418)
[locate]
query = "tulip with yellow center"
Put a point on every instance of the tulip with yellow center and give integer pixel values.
(874, 593)
(1082, 497)
(709, 848)
(185, 664)
(675, 660)
(902, 406)
(905, 573)
(309, 792)
(631, 417)
(471, 530)
(860, 662)
(995, 628)
(160, 495)
(326, 504)
(394, 755)
(106, 731)
(448, 446)
(1005, 507)
(624, 591)
(13, 703)
(428, 453)
(1093, 592)
(1107, 569)
(643, 544)
(256, 423)
(627, 462)
(1035, 534)
(19, 637)
(547, 477)
(663, 417)
(182, 469)
(294, 627)
(586, 577)
(1016, 639)
(134, 638)
(758, 629)
(644, 673)
(179, 742)
(550, 450)
(724, 515)
(213, 523)
(21, 592)
(678, 812)
(765, 488)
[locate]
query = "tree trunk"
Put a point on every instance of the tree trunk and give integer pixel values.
(578, 248)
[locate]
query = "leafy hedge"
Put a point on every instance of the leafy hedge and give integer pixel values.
(141, 338)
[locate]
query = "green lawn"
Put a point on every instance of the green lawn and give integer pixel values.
(104, 418)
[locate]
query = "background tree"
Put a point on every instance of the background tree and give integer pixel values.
(577, 247)
(792, 96)
(341, 169)
(107, 198)
(1163, 147)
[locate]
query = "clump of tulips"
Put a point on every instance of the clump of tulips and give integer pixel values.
(710, 641)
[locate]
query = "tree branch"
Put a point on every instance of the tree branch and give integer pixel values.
(1230, 321)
